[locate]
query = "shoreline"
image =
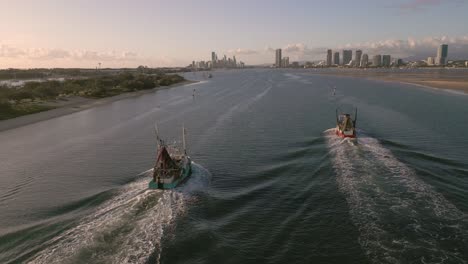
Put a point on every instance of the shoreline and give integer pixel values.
(80, 104)
(420, 80)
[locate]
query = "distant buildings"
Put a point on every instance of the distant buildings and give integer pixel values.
(364, 60)
(430, 61)
(217, 63)
(347, 56)
(377, 60)
(441, 57)
(278, 58)
(386, 60)
(329, 57)
(357, 57)
(285, 62)
(442, 53)
(398, 62)
(214, 58)
(336, 58)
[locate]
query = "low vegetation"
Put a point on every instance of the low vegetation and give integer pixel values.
(31, 97)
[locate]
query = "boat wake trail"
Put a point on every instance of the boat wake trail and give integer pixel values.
(401, 219)
(128, 228)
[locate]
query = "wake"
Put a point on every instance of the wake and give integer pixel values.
(400, 218)
(128, 228)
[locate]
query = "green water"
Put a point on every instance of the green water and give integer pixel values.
(271, 183)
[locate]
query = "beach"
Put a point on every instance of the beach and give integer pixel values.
(72, 105)
(447, 79)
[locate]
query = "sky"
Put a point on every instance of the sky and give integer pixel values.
(155, 33)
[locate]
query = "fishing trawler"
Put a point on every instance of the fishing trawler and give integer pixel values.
(346, 124)
(172, 166)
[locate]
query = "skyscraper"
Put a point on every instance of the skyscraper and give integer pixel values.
(386, 59)
(214, 59)
(442, 53)
(357, 57)
(398, 62)
(347, 56)
(377, 60)
(336, 58)
(329, 57)
(278, 58)
(285, 62)
(364, 60)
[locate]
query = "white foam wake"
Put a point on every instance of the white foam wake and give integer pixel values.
(400, 217)
(126, 229)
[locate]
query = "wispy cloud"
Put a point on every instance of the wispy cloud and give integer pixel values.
(414, 48)
(416, 4)
(240, 51)
(13, 56)
(413, 5)
(11, 52)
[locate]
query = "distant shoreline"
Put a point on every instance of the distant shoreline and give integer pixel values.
(76, 104)
(458, 84)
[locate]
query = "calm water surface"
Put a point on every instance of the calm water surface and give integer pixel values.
(271, 183)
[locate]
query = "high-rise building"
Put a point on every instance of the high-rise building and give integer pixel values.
(440, 61)
(430, 61)
(357, 57)
(442, 53)
(278, 58)
(398, 62)
(347, 56)
(386, 60)
(336, 58)
(364, 60)
(377, 60)
(285, 62)
(213, 58)
(329, 57)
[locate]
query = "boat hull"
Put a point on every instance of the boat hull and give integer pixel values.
(184, 174)
(342, 134)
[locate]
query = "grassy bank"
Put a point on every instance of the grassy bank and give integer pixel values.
(33, 97)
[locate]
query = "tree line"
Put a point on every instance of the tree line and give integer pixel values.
(14, 101)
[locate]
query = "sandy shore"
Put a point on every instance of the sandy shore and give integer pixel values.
(72, 105)
(444, 79)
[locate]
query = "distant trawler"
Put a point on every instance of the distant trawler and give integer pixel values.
(346, 124)
(172, 166)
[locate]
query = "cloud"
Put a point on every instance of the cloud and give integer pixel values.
(7, 51)
(301, 52)
(295, 48)
(269, 49)
(240, 51)
(413, 5)
(41, 54)
(414, 48)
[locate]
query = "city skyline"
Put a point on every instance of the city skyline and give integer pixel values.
(361, 59)
(57, 34)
